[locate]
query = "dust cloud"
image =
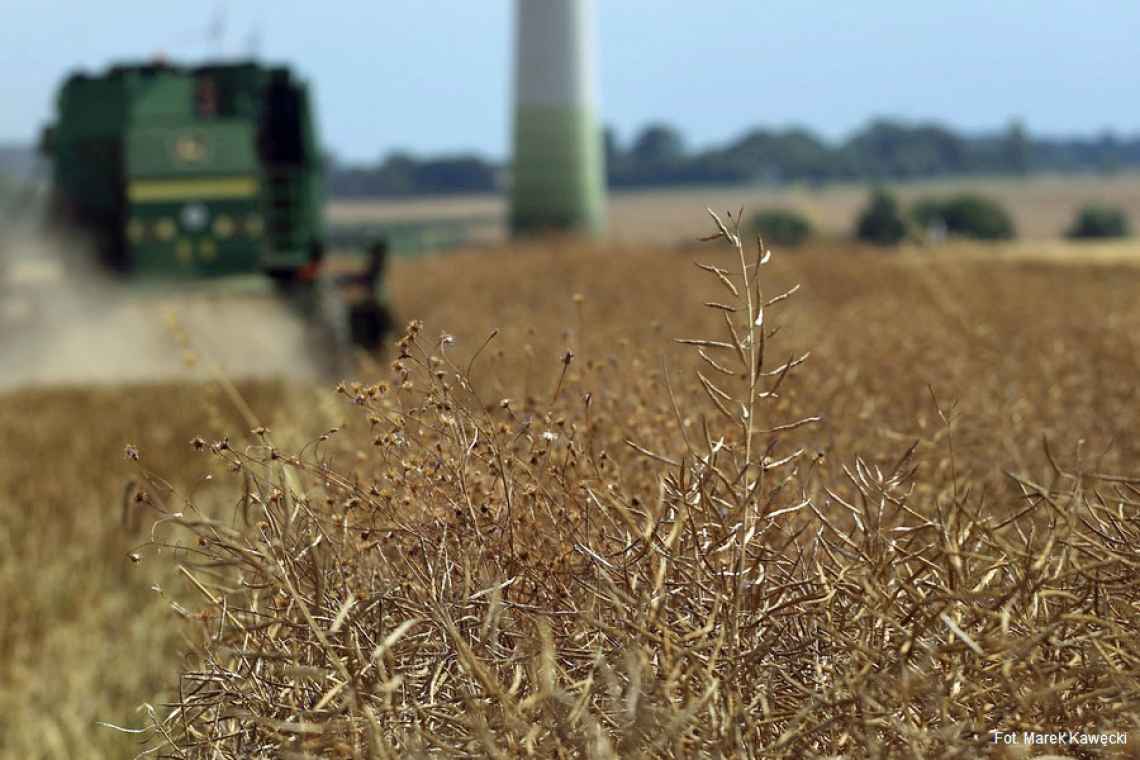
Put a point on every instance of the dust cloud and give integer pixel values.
(65, 322)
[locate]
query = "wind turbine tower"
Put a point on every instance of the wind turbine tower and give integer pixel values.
(558, 178)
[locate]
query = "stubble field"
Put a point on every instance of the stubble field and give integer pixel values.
(1042, 207)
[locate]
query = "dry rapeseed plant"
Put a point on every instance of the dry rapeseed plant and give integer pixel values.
(581, 574)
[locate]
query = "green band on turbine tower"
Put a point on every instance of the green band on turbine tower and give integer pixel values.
(558, 177)
(558, 182)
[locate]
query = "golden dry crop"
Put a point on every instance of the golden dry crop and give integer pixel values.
(553, 540)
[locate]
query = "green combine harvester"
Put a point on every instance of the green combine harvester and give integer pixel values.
(186, 173)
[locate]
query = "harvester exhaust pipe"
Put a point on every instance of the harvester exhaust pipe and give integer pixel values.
(558, 181)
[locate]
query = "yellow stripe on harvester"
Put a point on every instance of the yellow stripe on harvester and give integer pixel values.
(144, 190)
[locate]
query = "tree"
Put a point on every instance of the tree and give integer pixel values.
(1097, 221)
(781, 227)
(966, 215)
(658, 147)
(880, 222)
(454, 174)
(887, 148)
(776, 156)
(611, 145)
(1017, 147)
(617, 161)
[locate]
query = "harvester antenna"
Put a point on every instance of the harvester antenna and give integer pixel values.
(216, 31)
(253, 41)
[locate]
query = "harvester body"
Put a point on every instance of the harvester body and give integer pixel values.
(196, 172)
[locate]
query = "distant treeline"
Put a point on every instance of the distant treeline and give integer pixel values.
(401, 174)
(658, 155)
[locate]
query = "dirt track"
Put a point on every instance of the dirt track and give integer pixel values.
(66, 327)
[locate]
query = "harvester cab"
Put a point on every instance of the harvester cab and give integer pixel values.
(189, 173)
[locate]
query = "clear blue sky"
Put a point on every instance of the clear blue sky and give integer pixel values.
(434, 75)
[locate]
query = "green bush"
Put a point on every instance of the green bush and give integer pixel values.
(1096, 221)
(881, 222)
(782, 227)
(965, 215)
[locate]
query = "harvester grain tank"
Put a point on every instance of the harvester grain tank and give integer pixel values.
(558, 173)
(201, 172)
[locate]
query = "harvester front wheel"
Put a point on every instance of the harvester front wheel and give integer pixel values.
(368, 323)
